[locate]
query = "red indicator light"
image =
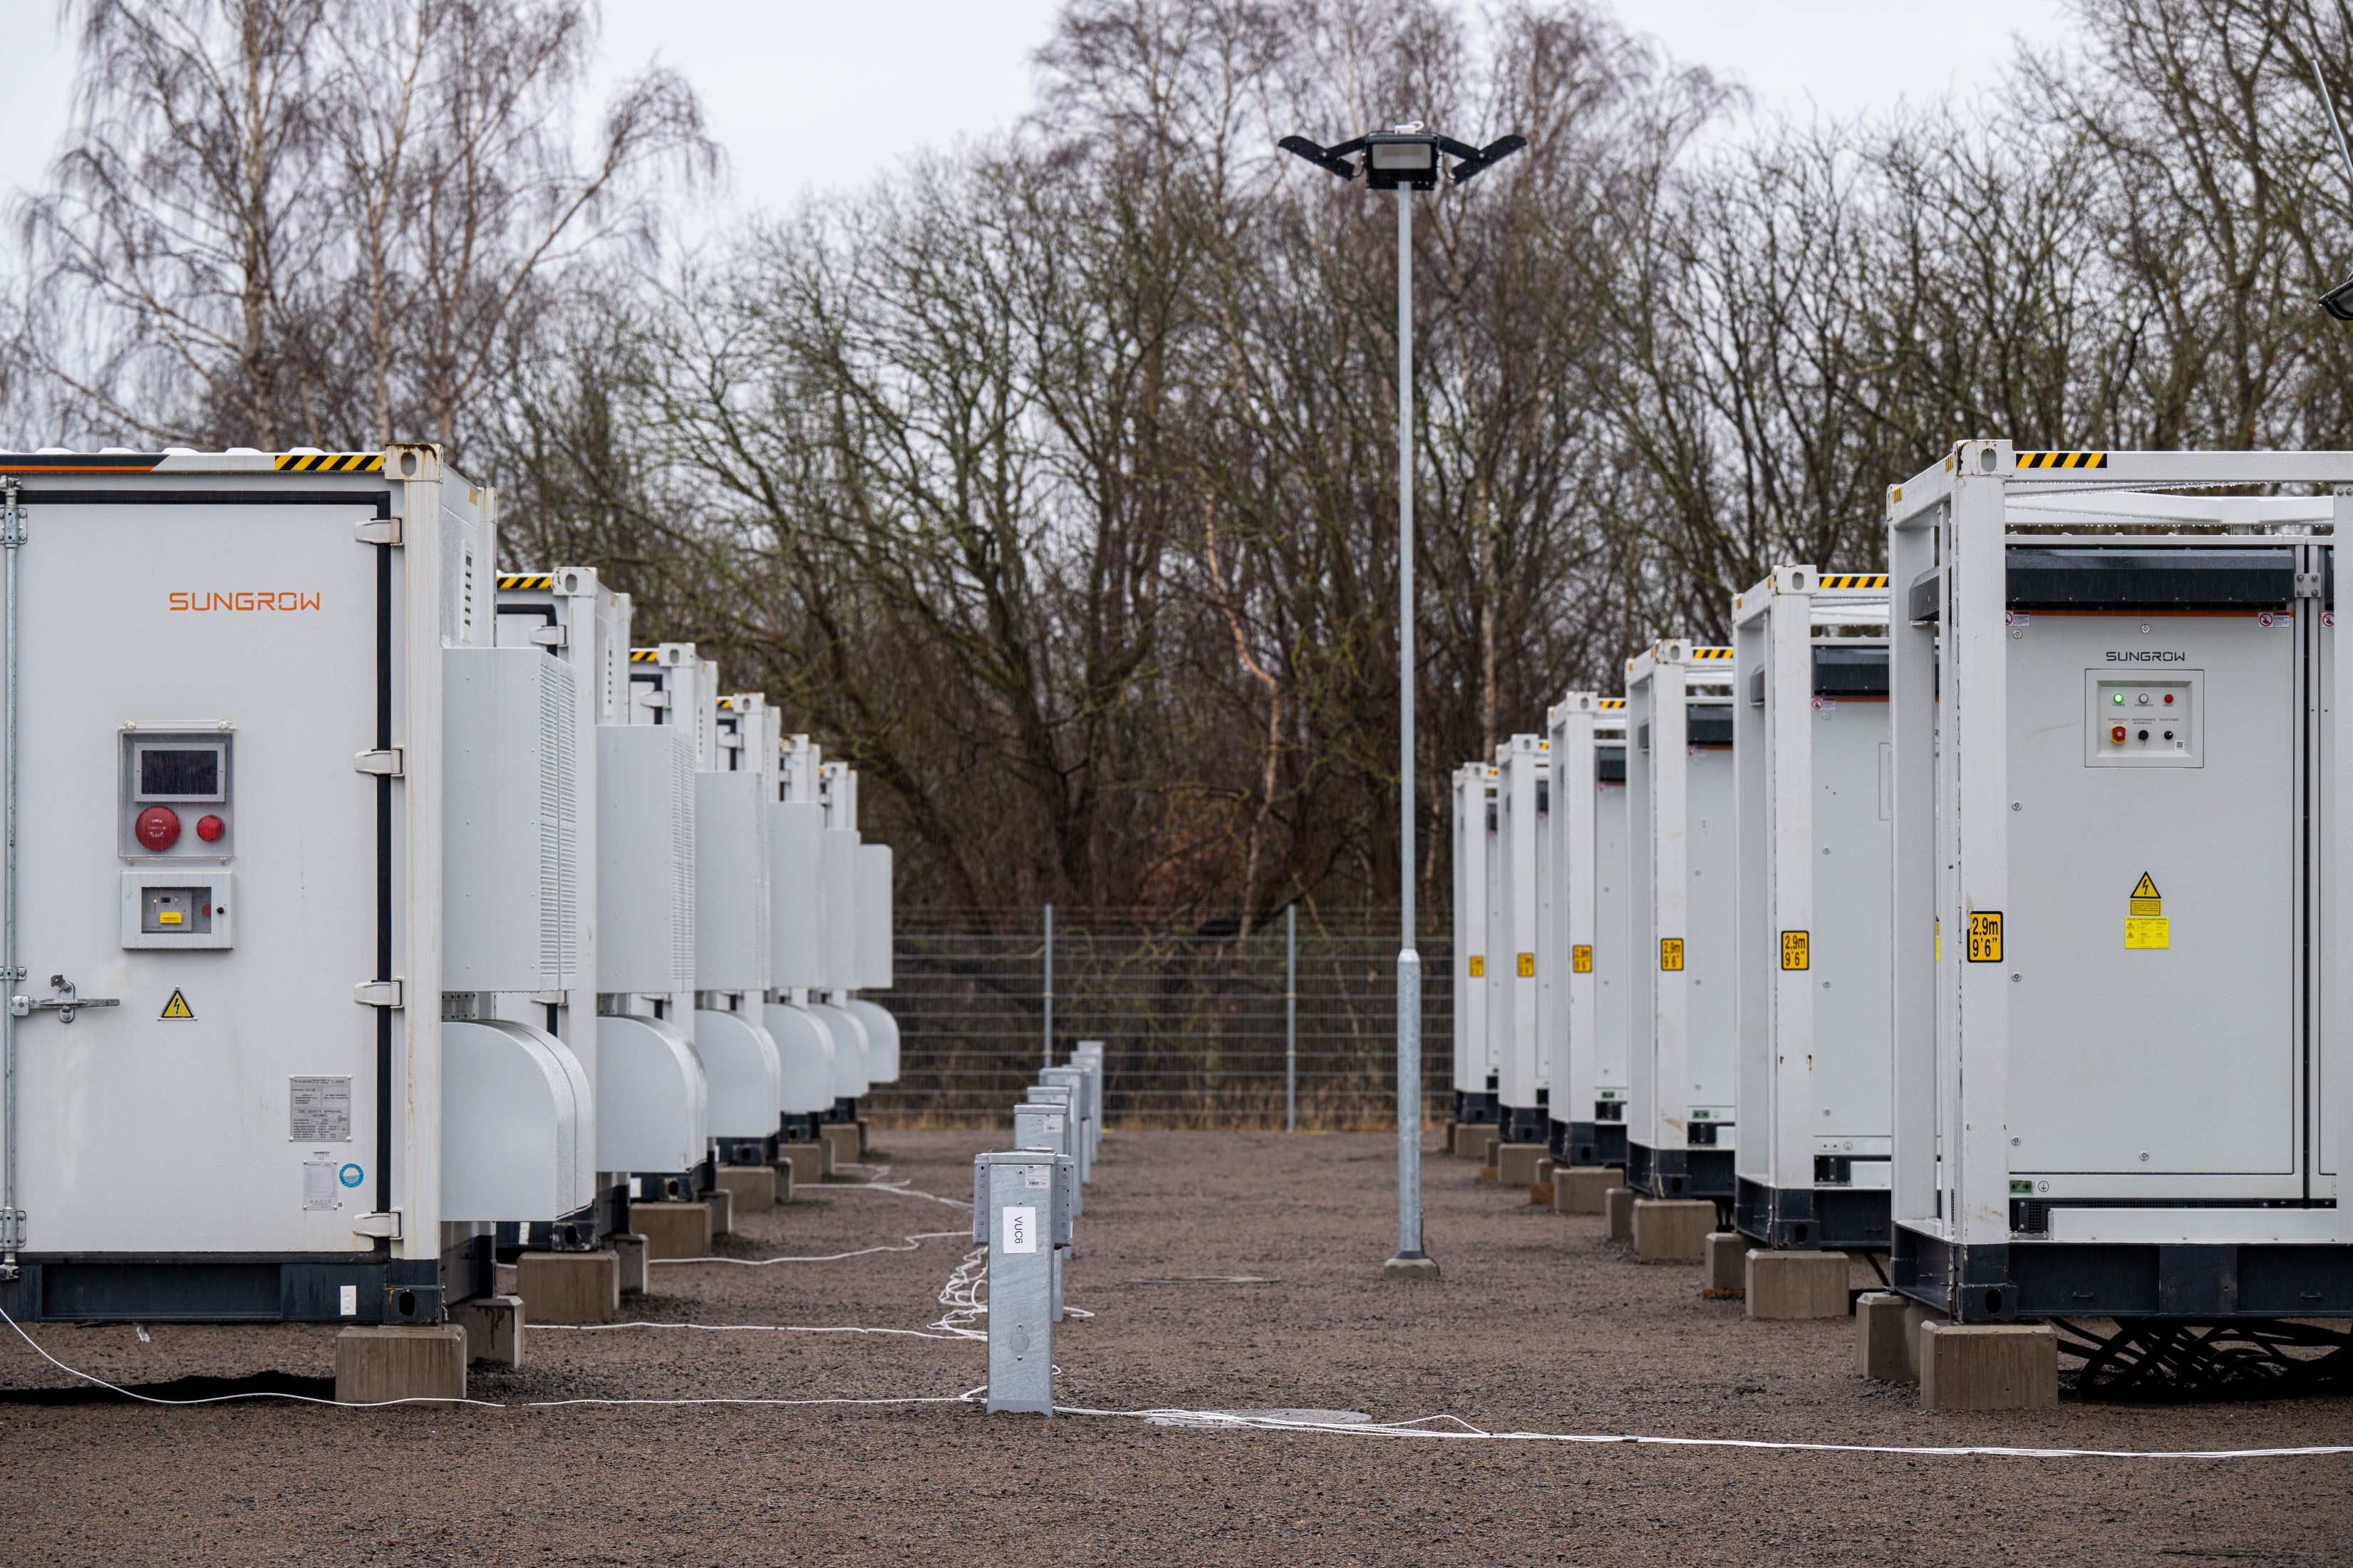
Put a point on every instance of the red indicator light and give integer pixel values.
(2169, 697)
(2117, 735)
(158, 828)
(210, 827)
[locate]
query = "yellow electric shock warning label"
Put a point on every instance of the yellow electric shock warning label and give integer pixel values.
(177, 1007)
(1528, 966)
(2145, 922)
(1794, 949)
(1580, 957)
(1670, 953)
(1985, 936)
(1478, 966)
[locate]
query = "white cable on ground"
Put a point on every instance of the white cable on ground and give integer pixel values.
(913, 1243)
(1466, 1432)
(896, 1189)
(480, 1403)
(961, 1297)
(739, 1329)
(1229, 1420)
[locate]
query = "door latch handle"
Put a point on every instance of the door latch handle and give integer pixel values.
(64, 1003)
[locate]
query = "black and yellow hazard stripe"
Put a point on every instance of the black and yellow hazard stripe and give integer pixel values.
(527, 580)
(1612, 702)
(1705, 653)
(331, 462)
(644, 655)
(2063, 459)
(1856, 580)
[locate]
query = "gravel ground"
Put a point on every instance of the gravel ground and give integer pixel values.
(1538, 1325)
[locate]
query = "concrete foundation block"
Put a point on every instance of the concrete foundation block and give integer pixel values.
(723, 1212)
(1617, 1206)
(1987, 1366)
(782, 1173)
(493, 1326)
(841, 1139)
(865, 1136)
(1469, 1138)
(1786, 1286)
(1727, 1266)
(1887, 1337)
(1544, 1171)
(754, 1187)
(1584, 1189)
(373, 1365)
(569, 1287)
(1446, 1134)
(502, 1278)
(1673, 1230)
(673, 1230)
(629, 1255)
(1516, 1163)
(808, 1161)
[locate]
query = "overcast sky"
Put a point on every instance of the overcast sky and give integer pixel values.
(818, 92)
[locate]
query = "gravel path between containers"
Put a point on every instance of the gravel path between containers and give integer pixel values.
(1538, 1325)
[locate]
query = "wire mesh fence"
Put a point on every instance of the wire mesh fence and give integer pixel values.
(1202, 1027)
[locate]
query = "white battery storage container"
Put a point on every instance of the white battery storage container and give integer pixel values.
(237, 1099)
(648, 1087)
(646, 927)
(1680, 877)
(1811, 756)
(1475, 1084)
(1523, 794)
(838, 940)
(875, 968)
(734, 788)
(1590, 945)
(2122, 1084)
(805, 1043)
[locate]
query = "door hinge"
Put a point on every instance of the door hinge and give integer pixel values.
(380, 530)
(384, 764)
(12, 1230)
(386, 1226)
(377, 994)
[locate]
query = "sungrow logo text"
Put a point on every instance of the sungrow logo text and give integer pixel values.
(2148, 656)
(207, 601)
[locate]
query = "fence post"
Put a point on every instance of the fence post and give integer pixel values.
(1050, 985)
(1291, 1017)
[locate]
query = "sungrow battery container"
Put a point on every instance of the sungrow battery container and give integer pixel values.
(1591, 949)
(2121, 1088)
(232, 1093)
(1815, 808)
(1680, 877)
(1474, 1077)
(1514, 1016)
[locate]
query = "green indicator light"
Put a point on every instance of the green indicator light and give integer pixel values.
(2118, 698)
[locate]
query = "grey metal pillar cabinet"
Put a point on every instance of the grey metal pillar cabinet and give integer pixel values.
(1019, 1221)
(1406, 159)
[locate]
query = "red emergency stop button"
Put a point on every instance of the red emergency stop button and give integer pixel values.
(158, 828)
(2117, 735)
(210, 827)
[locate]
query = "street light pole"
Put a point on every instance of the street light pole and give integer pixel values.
(1406, 159)
(1410, 1256)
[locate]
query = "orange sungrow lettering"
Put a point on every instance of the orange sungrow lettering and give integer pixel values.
(207, 600)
